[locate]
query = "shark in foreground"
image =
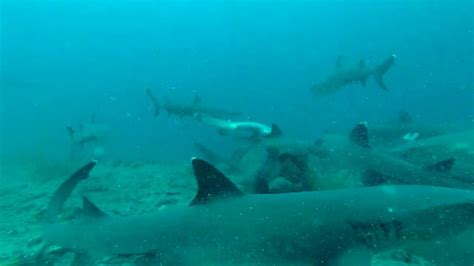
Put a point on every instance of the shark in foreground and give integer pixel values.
(357, 73)
(190, 110)
(222, 225)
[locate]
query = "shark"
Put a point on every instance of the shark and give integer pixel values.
(358, 73)
(87, 132)
(380, 166)
(188, 110)
(224, 226)
(242, 129)
(457, 144)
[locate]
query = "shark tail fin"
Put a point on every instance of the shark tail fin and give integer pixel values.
(381, 69)
(154, 101)
(360, 135)
(64, 190)
(443, 166)
(70, 131)
(276, 131)
(211, 183)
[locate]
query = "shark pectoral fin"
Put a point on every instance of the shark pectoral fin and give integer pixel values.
(211, 183)
(379, 80)
(90, 209)
(360, 135)
(358, 256)
(442, 166)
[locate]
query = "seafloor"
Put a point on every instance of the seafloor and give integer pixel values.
(120, 188)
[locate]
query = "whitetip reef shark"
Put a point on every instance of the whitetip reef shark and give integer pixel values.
(190, 110)
(356, 73)
(243, 129)
(88, 132)
(356, 152)
(225, 226)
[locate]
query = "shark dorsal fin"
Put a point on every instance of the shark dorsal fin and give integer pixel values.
(211, 183)
(360, 135)
(276, 131)
(441, 166)
(90, 209)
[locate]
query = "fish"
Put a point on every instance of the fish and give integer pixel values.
(358, 73)
(380, 166)
(241, 129)
(87, 133)
(223, 225)
(188, 110)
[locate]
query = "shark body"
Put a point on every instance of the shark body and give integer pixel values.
(243, 129)
(87, 133)
(188, 110)
(225, 226)
(355, 74)
(355, 151)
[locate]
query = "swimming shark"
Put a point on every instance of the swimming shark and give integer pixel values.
(354, 151)
(241, 129)
(189, 110)
(225, 226)
(87, 133)
(353, 74)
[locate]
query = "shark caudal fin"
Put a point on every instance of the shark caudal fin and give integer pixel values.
(211, 183)
(360, 135)
(70, 131)
(381, 69)
(64, 190)
(154, 101)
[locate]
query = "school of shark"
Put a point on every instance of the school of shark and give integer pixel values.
(403, 191)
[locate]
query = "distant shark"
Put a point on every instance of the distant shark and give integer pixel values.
(189, 110)
(224, 226)
(245, 129)
(87, 133)
(357, 73)
(356, 152)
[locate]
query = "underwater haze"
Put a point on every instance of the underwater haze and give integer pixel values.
(63, 61)
(282, 96)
